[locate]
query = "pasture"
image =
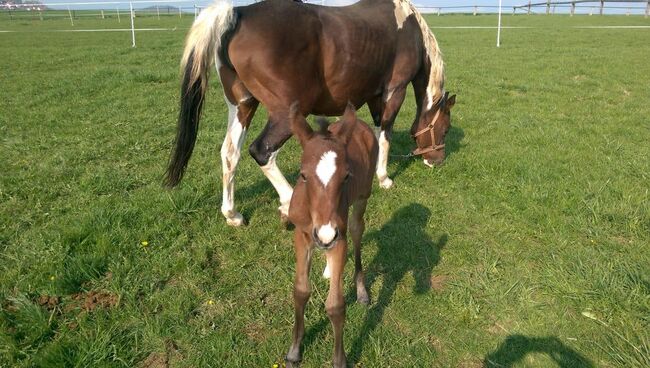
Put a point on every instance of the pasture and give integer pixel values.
(530, 247)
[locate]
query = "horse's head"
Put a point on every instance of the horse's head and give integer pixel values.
(319, 194)
(430, 129)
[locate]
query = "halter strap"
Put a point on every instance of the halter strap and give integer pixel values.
(430, 128)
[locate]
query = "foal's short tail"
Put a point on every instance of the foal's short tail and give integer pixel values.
(201, 46)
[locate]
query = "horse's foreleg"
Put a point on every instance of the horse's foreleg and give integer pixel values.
(393, 102)
(301, 293)
(265, 150)
(357, 226)
(239, 117)
(335, 304)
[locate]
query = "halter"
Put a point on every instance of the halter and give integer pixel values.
(434, 147)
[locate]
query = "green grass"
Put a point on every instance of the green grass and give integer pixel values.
(530, 247)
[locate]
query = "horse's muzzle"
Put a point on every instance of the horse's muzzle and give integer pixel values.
(320, 243)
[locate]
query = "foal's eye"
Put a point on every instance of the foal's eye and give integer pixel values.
(347, 176)
(303, 177)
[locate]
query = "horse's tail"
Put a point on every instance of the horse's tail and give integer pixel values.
(201, 45)
(436, 84)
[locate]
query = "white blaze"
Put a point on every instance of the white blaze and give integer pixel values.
(326, 167)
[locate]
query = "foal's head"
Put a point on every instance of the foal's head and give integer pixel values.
(430, 130)
(321, 188)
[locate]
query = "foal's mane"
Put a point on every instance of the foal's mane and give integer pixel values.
(323, 124)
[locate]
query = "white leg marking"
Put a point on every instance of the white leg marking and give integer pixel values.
(230, 154)
(327, 273)
(426, 162)
(279, 182)
(382, 161)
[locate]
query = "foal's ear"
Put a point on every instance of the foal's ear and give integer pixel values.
(299, 126)
(451, 101)
(348, 121)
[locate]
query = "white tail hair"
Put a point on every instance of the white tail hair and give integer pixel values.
(204, 40)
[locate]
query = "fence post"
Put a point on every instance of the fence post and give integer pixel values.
(499, 27)
(438, 11)
(70, 14)
(118, 15)
(132, 25)
(103, 14)
(548, 7)
(40, 15)
(602, 5)
(475, 9)
(529, 6)
(647, 9)
(158, 11)
(573, 8)
(195, 12)
(180, 14)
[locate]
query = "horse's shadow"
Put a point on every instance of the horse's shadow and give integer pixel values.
(401, 143)
(515, 348)
(403, 246)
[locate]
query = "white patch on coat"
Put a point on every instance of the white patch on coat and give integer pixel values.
(326, 167)
(326, 233)
(327, 273)
(230, 154)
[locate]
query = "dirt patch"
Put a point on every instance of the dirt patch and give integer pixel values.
(92, 300)
(438, 282)
(165, 359)
(255, 332)
(47, 301)
(471, 363)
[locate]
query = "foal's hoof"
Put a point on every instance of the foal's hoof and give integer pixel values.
(235, 220)
(386, 183)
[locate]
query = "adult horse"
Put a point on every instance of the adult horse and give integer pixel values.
(279, 51)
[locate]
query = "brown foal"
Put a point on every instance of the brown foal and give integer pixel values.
(336, 173)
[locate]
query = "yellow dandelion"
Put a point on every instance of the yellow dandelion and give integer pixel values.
(210, 302)
(52, 278)
(275, 365)
(144, 243)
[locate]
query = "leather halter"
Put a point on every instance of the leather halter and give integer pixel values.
(430, 128)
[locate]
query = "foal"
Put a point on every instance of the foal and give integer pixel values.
(336, 173)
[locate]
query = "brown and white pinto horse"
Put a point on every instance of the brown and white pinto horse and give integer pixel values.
(336, 172)
(279, 51)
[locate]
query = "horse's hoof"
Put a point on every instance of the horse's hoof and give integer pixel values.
(426, 162)
(236, 220)
(386, 183)
(363, 299)
(291, 362)
(284, 216)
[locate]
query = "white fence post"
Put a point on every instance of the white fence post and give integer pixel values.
(70, 14)
(158, 11)
(132, 25)
(180, 13)
(647, 9)
(499, 27)
(118, 15)
(103, 14)
(602, 6)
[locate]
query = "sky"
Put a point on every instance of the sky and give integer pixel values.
(507, 4)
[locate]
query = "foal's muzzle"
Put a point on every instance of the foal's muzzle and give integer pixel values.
(325, 237)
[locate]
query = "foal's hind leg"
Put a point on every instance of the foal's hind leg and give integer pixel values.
(393, 99)
(265, 150)
(239, 117)
(357, 226)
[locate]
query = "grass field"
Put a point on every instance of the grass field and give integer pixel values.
(530, 247)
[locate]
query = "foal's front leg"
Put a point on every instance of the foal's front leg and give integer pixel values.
(393, 101)
(357, 227)
(301, 292)
(335, 304)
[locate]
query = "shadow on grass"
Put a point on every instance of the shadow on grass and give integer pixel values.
(403, 246)
(403, 143)
(515, 348)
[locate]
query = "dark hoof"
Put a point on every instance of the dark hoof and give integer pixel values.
(284, 221)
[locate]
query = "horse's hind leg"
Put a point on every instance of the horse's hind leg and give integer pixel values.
(357, 226)
(239, 118)
(265, 150)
